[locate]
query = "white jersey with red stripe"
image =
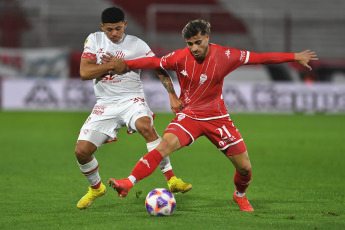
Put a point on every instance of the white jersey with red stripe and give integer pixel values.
(117, 86)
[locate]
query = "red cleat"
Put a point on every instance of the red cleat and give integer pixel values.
(243, 203)
(122, 186)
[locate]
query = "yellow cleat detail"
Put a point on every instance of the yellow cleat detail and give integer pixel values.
(90, 196)
(177, 185)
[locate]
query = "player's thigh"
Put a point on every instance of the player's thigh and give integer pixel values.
(224, 135)
(145, 127)
(138, 116)
(185, 129)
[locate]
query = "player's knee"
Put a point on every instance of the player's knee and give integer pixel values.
(82, 154)
(245, 169)
(147, 131)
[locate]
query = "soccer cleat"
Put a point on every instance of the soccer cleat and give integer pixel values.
(177, 185)
(90, 196)
(243, 203)
(122, 186)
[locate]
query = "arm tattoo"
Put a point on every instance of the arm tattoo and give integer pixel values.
(166, 80)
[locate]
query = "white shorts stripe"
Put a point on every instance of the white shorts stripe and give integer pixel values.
(184, 130)
(234, 143)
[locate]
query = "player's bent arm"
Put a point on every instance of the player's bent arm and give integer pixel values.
(144, 63)
(90, 70)
(175, 103)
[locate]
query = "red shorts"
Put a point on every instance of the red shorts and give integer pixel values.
(221, 132)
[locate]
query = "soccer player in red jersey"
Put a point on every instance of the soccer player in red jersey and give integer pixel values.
(201, 68)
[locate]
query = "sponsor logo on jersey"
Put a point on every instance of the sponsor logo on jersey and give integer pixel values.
(243, 54)
(86, 41)
(184, 73)
(203, 78)
(227, 53)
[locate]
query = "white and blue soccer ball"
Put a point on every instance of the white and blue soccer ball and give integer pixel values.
(160, 202)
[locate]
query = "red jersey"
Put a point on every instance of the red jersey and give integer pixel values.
(201, 82)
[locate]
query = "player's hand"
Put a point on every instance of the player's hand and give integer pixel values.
(176, 104)
(306, 56)
(119, 66)
(106, 58)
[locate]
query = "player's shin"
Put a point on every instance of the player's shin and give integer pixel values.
(165, 165)
(147, 165)
(242, 182)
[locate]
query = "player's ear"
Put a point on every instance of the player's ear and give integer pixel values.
(208, 37)
(125, 24)
(101, 25)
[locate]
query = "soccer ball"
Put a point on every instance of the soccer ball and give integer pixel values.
(160, 202)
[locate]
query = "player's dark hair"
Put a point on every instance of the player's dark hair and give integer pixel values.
(194, 27)
(113, 15)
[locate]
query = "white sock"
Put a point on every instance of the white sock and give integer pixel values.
(132, 179)
(90, 171)
(239, 194)
(165, 163)
(152, 145)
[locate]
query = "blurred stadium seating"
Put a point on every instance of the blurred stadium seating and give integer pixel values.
(260, 26)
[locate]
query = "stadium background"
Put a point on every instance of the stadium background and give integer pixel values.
(41, 42)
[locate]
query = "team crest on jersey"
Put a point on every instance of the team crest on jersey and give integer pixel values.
(203, 78)
(119, 54)
(181, 117)
(227, 53)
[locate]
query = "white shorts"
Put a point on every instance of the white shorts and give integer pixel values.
(109, 117)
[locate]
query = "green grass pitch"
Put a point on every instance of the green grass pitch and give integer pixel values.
(298, 177)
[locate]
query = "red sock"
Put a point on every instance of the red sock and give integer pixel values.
(242, 181)
(169, 174)
(147, 165)
(96, 186)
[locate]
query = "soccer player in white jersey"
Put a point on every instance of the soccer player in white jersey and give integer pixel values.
(120, 101)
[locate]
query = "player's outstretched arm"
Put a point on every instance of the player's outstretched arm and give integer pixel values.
(275, 58)
(306, 56)
(175, 103)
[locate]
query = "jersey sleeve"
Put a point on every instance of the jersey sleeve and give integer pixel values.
(143, 50)
(90, 48)
(232, 58)
(270, 58)
(144, 63)
(168, 62)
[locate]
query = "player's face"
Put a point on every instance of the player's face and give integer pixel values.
(198, 45)
(114, 31)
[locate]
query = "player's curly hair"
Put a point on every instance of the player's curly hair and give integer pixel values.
(113, 15)
(194, 27)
